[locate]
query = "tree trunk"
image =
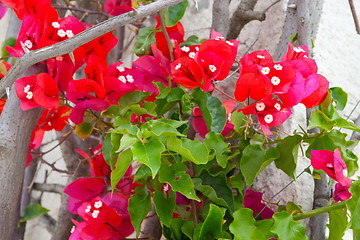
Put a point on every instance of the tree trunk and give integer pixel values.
(15, 131)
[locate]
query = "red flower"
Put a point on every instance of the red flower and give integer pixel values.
(82, 190)
(54, 119)
(98, 166)
(341, 193)
(37, 91)
(253, 200)
(117, 7)
(270, 113)
(331, 163)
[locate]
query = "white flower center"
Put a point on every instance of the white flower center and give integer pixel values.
(298, 49)
(178, 66)
(212, 68)
(88, 208)
(61, 33)
(29, 95)
(192, 55)
(69, 33)
(278, 67)
(230, 43)
(197, 49)
(265, 70)
(166, 187)
(277, 106)
(260, 106)
(120, 68)
(268, 118)
(28, 44)
(72, 229)
(26, 88)
(122, 79)
(95, 213)
(129, 78)
(275, 80)
(55, 24)
(185, 49)
(260, 56)
(98, 204)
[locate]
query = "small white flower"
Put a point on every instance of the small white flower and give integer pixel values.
(28, 44)
(265, 70)
(72, 229)
(230, 43)
(88, 208)
(166, 187)
(277, 106)
(298, 49)
(269, 118)
(212, 68)
(27, 88)
(120, 68)
(260, 106)
(95, 213)
(129, 78)
(29, 95)
(55, 24)
(275, 80)
(61, 33)
(197, 49)
(69, 33)
(98, 204)
(192, 54)
(122, 79)
(278, 67)
(185, 49)
(178, 66)
(260, 56)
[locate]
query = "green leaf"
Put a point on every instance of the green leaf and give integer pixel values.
(239, 121)
(126, 129)
(318, 119)
(143, 42)
(175, 13)
(340, 97)
(219, 183)
(139, 206)
(122, 164)
(131, 98)
(191, 40)
(212, 226)
(143, 172)
(338, 224)
(286, 228)
(353, 205)
(191, 150)
(174, 232)
(216, 142)
(244, 226)
(209, 192)
(288, 150)
(165, 205)
(162, 127)
(84, 129)
(212, 109)
(179, 180)
(342, 123)
(149, 153)
(126, 141)
(33, 211)
(110, 145)
(254, 159)
(8, 42)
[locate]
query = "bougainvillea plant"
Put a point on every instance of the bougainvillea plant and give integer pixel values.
(168, 143)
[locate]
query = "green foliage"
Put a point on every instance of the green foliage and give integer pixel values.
(165, 204)
(340, 97)
(179, 180)
(244, 226)
(8, 42)
(84, 129)
(139, 206)
(288, 149)
(143, 42)
(33, 211)
(212, 226)
(122, 164)
(353, 205)
(338, 224)
(286, 228)
(175, 13)
(212, 109)
(215, 141)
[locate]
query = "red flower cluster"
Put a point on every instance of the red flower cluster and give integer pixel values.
(105, 215)
(198, 65)
(333, 165)
(277, 86)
